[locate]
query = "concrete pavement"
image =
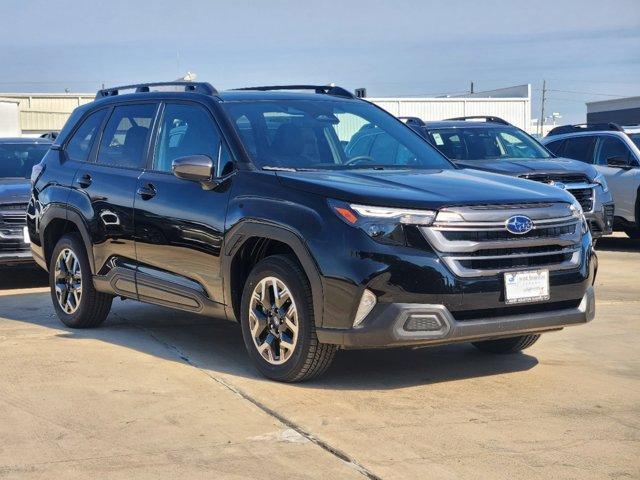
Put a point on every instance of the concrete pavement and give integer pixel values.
(155, 392)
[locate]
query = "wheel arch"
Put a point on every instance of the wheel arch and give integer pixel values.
(58, 221)
(259, 240)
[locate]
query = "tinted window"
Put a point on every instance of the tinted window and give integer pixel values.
(17, 159)
(79, 147)
(635, 137)
(125, 136)
(579, 148)
(185, 130)
(611, 147)
(328, 134)
(485, 143)
(555, 146)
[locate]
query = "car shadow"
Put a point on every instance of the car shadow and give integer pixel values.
(22, 276)
(618, 244)
(216, 346)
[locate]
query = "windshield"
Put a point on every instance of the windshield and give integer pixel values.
(17, 159)
(328, 134)
(487, 143)
(635, 137)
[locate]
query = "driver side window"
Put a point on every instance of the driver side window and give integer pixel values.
(612, 147)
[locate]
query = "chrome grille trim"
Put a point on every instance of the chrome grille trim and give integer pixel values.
(457, 253)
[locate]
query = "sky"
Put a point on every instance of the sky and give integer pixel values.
(586, 50)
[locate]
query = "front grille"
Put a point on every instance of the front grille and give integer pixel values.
(13, 246)
(14, 206)
(9, 219)
(584, 197)
(557, 177)
(476, 242)
(515, 310)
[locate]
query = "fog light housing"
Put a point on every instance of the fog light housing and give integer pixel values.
(367, 302)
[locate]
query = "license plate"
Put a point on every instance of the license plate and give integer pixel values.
(526, 287)
(25, 234)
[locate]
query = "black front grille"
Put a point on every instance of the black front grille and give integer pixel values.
(515, 310)
(13, 219)
(497, 235)
(557, 177)
(584, 197)
(515, 262)
(14, 206)
(13, 246)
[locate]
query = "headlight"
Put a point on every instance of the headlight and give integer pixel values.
(383, 224)
(576, 211)
(599, 179)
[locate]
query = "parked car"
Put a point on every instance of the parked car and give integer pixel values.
(247, 204)
(17, 157)
(614, 151)
(494, 145)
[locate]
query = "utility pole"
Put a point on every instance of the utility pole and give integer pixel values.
(544, 99)
(471, 88)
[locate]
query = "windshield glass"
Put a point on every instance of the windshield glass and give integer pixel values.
(487, 143)
(328, 134)
(17, 159)
(635, 137)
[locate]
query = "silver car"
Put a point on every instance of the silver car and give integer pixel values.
(615, 152)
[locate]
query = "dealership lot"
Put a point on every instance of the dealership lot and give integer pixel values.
(157, 392)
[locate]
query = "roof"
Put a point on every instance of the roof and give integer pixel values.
(26, 140)
(463, 123)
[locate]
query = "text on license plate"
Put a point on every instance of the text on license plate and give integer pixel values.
(525, 287)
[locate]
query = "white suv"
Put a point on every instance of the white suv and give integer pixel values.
(615, 152)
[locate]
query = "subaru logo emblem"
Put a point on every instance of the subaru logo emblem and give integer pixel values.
(519, 224)
(558, 185)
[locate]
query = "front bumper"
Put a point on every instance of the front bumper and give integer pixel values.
(14, 258)
(402, 324)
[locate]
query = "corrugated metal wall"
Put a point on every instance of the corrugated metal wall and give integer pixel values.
(514, 110)
(42, 112)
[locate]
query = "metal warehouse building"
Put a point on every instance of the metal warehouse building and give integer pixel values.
(623, 111)
(512, 104)
(37, 113)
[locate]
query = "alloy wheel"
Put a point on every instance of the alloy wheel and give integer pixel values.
(273, 320)
(68, 281)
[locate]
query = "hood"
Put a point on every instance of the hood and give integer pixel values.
(430, 189)
(521, 166)
(14, 190)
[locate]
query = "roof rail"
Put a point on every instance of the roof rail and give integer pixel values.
(199, 87)
(585, 127)
(325, 89)
(487, 118)
(415, 121)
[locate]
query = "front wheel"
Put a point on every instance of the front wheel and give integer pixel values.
(507, 345)
(278, 325)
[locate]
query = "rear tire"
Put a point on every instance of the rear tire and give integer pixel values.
(280, 332)
(76, 301)
(507, 345)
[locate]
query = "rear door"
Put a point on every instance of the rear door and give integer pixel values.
(180, 224)
(623, 182)
(109, 184)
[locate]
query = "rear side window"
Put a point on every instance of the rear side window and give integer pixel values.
(79, 146)
(185, 130)
(612, 147)
(579, 148)
(125, 136)
(555, 146)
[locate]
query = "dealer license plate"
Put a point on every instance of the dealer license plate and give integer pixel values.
(526, 287)
(25, 234)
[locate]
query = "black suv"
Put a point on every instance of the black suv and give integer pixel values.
(246, 204)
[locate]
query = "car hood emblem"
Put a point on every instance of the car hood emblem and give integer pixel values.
(519, 224)
(557, 184)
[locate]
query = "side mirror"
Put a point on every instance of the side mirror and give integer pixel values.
(197, 168)
(620, 162)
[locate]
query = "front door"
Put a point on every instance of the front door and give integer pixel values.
(180, 224)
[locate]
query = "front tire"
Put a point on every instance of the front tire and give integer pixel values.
(278, 324)
(507, 345)
(76, 301)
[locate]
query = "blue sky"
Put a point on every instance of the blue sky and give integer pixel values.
(587, 50)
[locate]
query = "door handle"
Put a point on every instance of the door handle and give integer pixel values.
(84, 181)
(147, 191)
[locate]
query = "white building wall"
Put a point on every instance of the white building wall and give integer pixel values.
(9, 118)
(514, 110)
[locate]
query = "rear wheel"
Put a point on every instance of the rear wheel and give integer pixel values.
(77, 303)
(507, 345)
(278, 324)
